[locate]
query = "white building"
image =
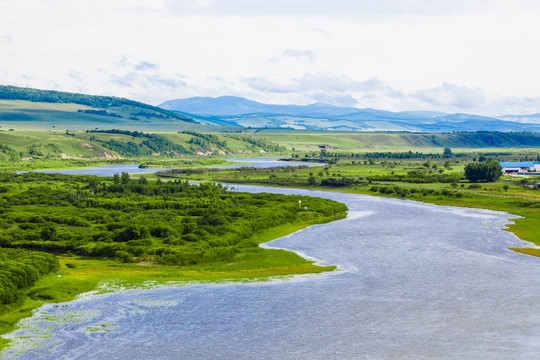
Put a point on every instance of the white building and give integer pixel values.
(520, 167)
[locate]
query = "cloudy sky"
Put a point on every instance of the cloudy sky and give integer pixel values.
(474, 56)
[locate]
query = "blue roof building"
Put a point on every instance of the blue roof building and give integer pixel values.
(520, 167)
(517, 164)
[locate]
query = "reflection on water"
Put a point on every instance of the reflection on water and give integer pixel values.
(418, 281)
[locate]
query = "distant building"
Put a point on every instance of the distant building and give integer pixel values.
(520, 167)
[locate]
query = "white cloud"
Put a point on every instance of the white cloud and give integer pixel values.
(340, 100)
(450, 95)
(123, 61)
(145, 65)
(6, 39)
(75, 74)
(299, 54)
(347, 8)
(323, 81)
(149, 81)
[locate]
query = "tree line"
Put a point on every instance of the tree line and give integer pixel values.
(151, 144)
(447, 153)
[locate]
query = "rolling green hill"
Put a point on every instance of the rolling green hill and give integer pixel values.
(26, 108)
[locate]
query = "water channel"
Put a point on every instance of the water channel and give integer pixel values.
(417, 281)
(110, 170)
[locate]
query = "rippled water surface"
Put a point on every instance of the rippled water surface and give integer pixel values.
(418, 281)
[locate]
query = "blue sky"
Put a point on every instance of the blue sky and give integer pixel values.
(474, 56)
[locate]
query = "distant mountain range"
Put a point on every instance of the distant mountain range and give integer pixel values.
(238, 111)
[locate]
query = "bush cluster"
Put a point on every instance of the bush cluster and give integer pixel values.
(488, 171)
(403, 192)
(19, 269)
(175, 222)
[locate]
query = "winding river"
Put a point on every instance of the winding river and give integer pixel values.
(417, 281)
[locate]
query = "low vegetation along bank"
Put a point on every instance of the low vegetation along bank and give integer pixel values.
(136, 230)
(432, 178)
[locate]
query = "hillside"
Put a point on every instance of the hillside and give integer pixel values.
(231, 111)
(26, 108)
(18, 147)
(397, 141)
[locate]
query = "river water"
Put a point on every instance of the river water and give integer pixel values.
(110, 170)
(417, 281)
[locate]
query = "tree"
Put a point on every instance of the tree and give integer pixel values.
(49, 232)
(142, 180)
(487, 171)
(447, 153)
(125, 178)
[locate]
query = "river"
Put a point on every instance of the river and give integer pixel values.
(110, 170)
(417, 281)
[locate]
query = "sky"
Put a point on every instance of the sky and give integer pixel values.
(469, 56)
